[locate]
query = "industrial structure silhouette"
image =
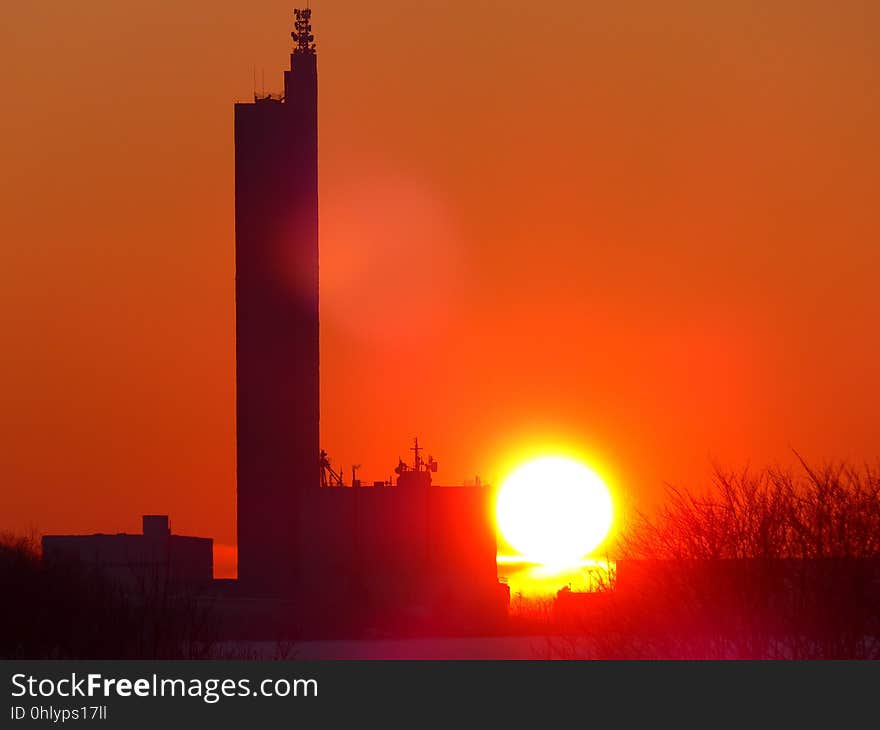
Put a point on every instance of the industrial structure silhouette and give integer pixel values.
(276, 299)
(368, 553)
(316, 556)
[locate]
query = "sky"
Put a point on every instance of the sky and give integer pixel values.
(643, 232)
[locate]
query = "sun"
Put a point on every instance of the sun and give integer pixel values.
(554, 511)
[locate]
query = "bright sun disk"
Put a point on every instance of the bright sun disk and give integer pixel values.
(554, 511)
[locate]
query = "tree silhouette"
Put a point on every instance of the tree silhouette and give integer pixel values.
(769, 564)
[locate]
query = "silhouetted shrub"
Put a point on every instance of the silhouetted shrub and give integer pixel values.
(769, 564)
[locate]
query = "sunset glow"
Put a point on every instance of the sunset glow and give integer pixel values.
(635, 234)
(554, 511)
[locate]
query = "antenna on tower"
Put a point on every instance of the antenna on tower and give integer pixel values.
(302, 33)
(417, 465)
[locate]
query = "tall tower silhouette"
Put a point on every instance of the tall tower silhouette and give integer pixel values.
(276, 293)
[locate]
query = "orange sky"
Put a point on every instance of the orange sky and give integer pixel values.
(646, 229)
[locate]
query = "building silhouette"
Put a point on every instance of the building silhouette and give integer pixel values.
(141, 563)
(369, 554)
(276, 295)
(316, 556)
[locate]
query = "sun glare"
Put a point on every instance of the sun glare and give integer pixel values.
(554, 511)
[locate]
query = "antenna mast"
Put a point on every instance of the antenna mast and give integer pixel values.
(302, 33)
(417, 465)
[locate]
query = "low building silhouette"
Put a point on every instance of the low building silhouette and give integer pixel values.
(153, 560)
(403, 555)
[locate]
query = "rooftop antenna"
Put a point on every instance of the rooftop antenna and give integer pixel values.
(329, 476)
(417, 465)
(302, 33)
